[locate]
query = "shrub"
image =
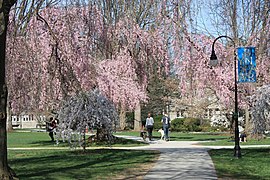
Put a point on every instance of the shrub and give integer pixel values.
(158, 123)
(192, 124)
(219, 121)
(206, 127)
(178, 125)
(186, 124)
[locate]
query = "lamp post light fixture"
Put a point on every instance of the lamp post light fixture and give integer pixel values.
(214, 62)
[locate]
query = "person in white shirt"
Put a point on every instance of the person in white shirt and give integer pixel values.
(149, 125)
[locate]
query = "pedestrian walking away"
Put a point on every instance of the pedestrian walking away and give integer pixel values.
(166, 125)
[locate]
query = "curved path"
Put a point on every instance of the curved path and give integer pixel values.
(180, 160)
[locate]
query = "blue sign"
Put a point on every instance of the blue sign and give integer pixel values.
(246, 64)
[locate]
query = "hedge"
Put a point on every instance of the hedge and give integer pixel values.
(186, 124)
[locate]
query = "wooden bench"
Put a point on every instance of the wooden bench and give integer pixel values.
(41, 126)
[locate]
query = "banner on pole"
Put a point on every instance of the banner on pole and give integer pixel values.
(246, 64)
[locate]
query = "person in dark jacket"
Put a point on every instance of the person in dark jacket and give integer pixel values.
(166, 125)
(52, 126)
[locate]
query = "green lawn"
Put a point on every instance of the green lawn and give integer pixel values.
(228, 142)
(105, 164)
(42, 139)
(254, 163)
(178, 136)
(65, 164)
(215, 139)
(29, 139)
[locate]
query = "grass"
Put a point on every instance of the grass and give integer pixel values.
(64, 164)
(178, 136)
(254, 163)
(29, 139)
(67, 164)
(42, 139)
(229, 142)
(214, 139)
(110, 164)
(120, 142)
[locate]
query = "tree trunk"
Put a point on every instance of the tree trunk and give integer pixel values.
(5, 171)
(137, 118)
(234, 22)
(102, 134)
(248, 125)
(9, 119)
(122, 117)
(84, 141)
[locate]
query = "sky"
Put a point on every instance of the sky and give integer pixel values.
(203, 17)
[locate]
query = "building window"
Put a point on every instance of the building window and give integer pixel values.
(182, 113)
(210, 112)
(177, 114)
(206, 113)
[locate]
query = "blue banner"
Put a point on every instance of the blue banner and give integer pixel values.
(246, 64)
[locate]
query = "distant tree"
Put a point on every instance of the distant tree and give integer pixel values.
(161, 92)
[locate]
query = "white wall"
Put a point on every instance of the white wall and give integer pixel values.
(25, 121)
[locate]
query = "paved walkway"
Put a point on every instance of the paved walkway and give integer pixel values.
(181, 160)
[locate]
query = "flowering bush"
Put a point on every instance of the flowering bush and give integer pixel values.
(219, 120)
(260, 109)
(84, 110)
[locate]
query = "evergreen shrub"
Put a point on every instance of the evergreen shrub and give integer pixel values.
(186, 125)
(178, 125)
(158, 123)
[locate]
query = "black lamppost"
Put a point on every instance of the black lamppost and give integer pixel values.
(214, 62)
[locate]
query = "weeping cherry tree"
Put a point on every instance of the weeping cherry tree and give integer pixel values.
(260, 110)
(86, 109)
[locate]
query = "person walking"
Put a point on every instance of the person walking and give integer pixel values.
(166, 125)
(149, 125)
(52, 126)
